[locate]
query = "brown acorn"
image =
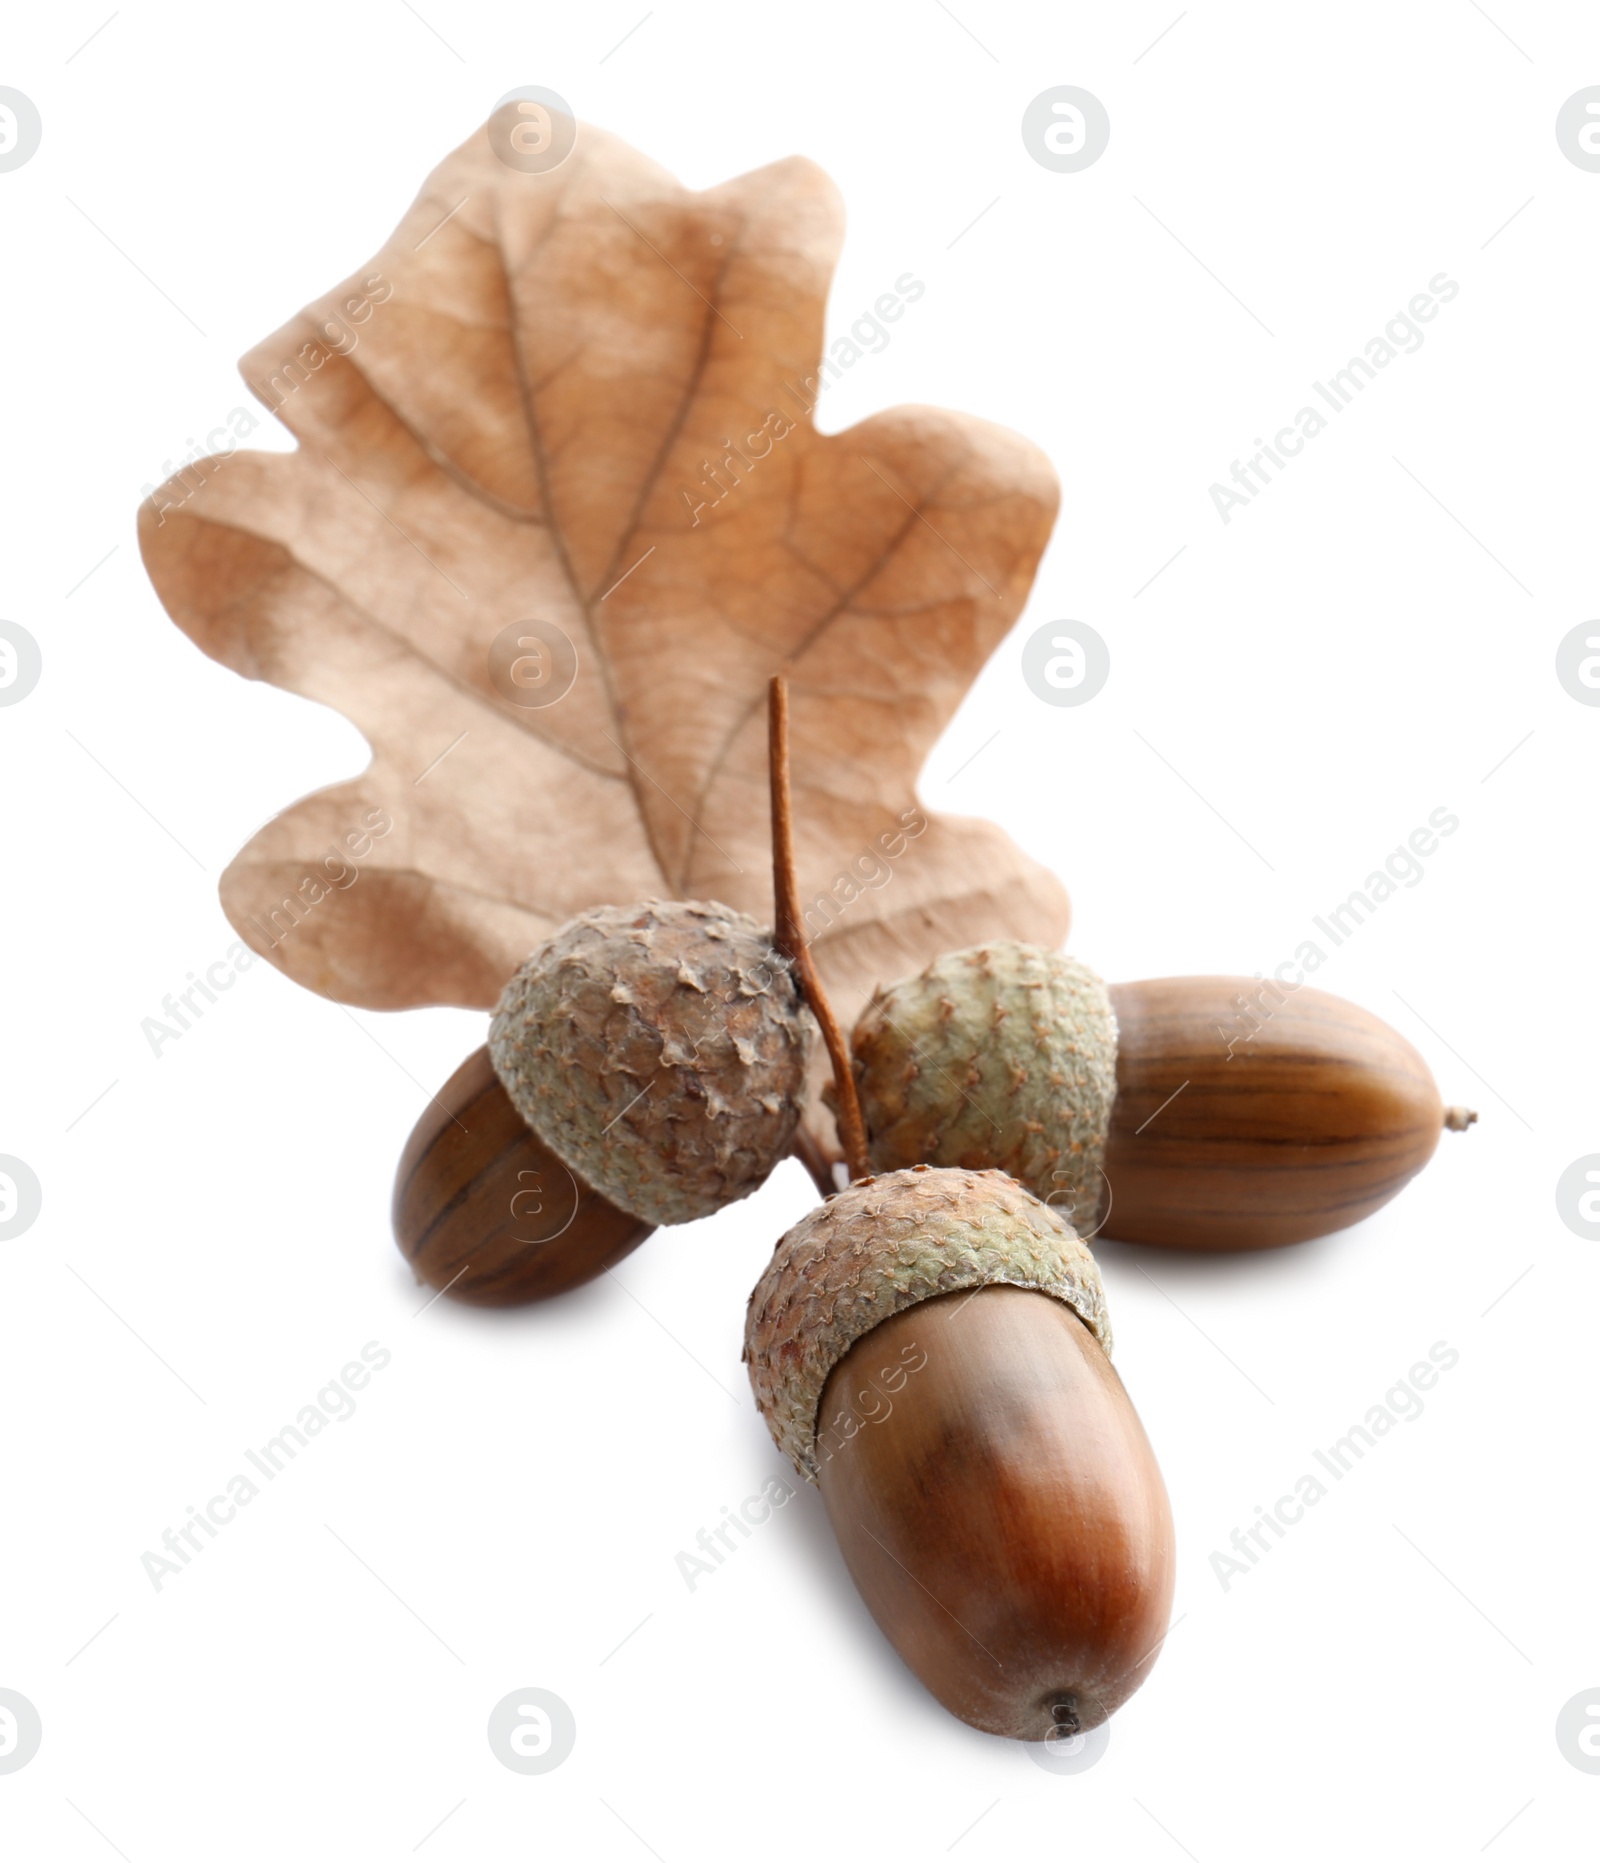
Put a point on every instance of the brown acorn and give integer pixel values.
(1194, 1112)
(645, 1065)
(1241, 1121)
(485, 1212)
(931, 1347)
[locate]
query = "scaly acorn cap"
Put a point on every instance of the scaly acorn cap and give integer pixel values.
(660, 1051)
(1002, 1057)
(883, 1245)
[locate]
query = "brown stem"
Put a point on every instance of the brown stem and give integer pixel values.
(789, 933)
(1458, 1118)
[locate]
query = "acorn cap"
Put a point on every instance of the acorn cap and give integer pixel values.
(660, 1052)
(1000, 1057)
(883, 1245)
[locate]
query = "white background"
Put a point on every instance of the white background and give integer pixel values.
(1344, 657)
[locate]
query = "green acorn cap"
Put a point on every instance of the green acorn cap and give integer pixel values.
(1001, 1057)
(881, 1246)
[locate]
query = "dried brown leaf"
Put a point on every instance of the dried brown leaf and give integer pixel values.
(504, 418)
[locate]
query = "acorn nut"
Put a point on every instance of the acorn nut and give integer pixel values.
(1012, 1485)
(646, 1065)
(931, 1347)
(486, 1213)
(1193, 1112)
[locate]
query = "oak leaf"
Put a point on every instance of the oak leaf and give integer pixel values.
(576, 406)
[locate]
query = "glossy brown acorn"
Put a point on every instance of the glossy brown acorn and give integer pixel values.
(1246, 1117)
(1004, 1519)
(1192, 1112)
(484, 1211)
(931, 1347)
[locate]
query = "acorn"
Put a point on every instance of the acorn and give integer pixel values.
(1003, 1516)
(931, 1347)
(486, 1213)
(1191, 1112)
(646, 1065)
(660, 1052)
